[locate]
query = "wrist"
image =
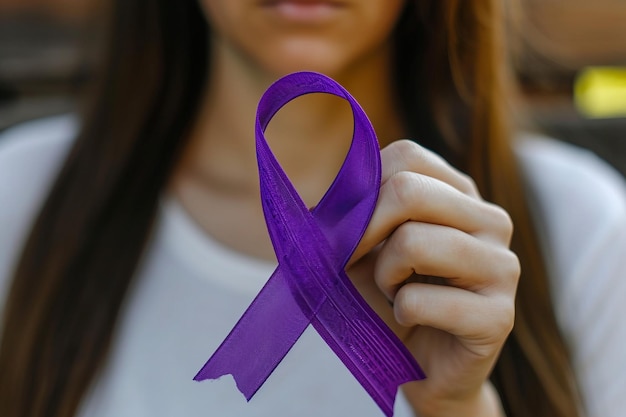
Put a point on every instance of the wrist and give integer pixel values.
(484, 403)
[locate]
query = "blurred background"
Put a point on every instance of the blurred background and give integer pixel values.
(45, 48)
(558, 41)
(48, 47)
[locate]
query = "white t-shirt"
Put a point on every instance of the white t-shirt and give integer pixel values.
(190, 291)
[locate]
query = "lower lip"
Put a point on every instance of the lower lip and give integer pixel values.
(304, 12)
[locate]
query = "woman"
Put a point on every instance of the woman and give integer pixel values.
(151, 241)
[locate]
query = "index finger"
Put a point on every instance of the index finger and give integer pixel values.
(406, 155)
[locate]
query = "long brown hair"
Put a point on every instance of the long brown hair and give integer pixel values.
(453, 85)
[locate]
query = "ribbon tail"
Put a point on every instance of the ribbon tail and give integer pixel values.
(260, 339)
(370, 351)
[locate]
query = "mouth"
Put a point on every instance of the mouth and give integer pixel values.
(303, 11)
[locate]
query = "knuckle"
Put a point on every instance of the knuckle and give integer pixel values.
(468, 184)
(506, 271)
(409, 188)
(504, 315)
(515, 267)
(402, 249)
(405, 238)
(409, 150)
(412, 244)
(416, 155)
(502, 220)
(405, 188)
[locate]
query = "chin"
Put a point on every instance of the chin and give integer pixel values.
(306, 56)
(283, 68)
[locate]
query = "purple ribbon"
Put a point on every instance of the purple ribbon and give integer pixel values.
(310, 284)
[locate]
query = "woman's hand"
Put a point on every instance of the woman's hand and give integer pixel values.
(439, 254)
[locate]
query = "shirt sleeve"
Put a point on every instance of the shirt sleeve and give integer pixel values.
(582, 202)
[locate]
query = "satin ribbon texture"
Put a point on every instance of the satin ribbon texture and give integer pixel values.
(310, 284)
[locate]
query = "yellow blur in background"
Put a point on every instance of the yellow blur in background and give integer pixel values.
(600, 92)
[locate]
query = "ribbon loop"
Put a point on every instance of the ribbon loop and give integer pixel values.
(354, 185)
(313, 248)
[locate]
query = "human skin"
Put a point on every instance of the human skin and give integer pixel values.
(429, 221)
